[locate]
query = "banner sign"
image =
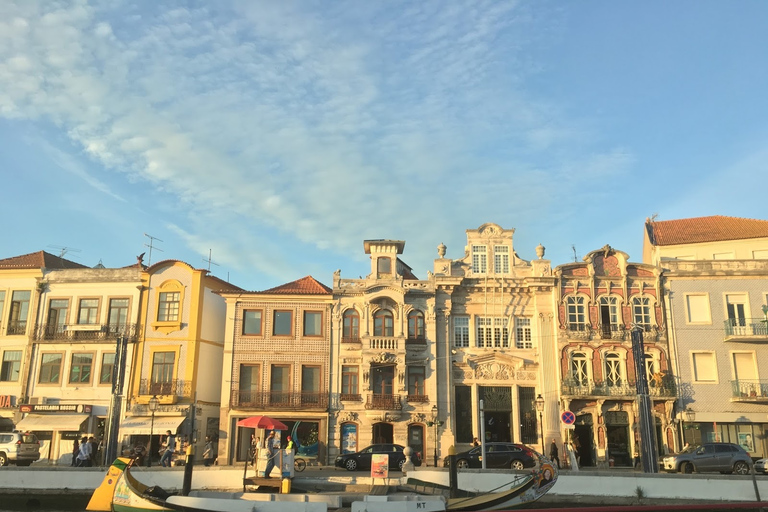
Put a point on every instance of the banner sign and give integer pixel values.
(79, 408)
(380, 465)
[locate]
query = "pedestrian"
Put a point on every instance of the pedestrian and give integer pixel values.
(75, 452)
(170, 448)
(94, 450)
(290, 446)
(84, 456)
(273, 447)
(475, 443)
(208, 455)
(554, 453)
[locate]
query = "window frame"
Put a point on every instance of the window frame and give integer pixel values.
(479, 254)
(321, 326)
(167, 326)
(459, 331)
(384, 330)
(43, 364)
(694, 377)
(18, 313)
(641, 303)
(501, 259)
(580, 378)
(575, 307)
(523, 333)
(707, 313)
(346, 380)
(275, 313)
(420, 325)
(72, 367)
(245, 322)
(102, 365)
(154, 364)
(417, 388)
(10, 367)
(384, 266)
(350, 332)
(613, 364)
(491, 332)
(118, 327)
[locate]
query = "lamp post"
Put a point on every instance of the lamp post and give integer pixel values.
(540, 408)
(435, 423)
(153, 403)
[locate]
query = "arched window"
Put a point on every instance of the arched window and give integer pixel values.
(579, 369)
(383, 323)
(609, 316)
(575, 309)
(351, 328)
(613, 370)
(641, 313)
(416, 324)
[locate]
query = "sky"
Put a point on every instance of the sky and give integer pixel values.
(277, 136)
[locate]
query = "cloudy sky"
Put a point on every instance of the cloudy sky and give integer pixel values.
(280, 135)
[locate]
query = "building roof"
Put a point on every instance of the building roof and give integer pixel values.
(705, 229)
(304, 286)
(39, 259)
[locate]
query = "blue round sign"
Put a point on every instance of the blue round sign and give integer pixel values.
(568, 418)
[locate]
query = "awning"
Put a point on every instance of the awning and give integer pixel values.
(143, 424)
(59, 422)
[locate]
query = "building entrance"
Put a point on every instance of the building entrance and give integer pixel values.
(617, 432)
(582, 440)
(382, 433)
(497, 403)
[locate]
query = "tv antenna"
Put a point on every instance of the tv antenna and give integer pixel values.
(151, 246)
(63, 250)
(210, 261)
(573, 248)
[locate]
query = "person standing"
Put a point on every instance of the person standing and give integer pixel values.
(554, 453)
(170, 448)
(84, 456)
(75, 452)
(208, 455)
(94, 451)
(273, 447)
(475, 443)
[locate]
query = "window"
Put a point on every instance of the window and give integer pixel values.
(282, 323)
(575, 311)
(461, 331)
(501, 259)
(80, 369)
(349, 380)
(313, 323)
(11, 366)
(609, 316)
(310, 384)
(416, 324)
(744, 369)
(351, 329)
(650, 367)
(579, 370)
(50, 369)
(250, 381)
(162, 369)
(17, 321)
(492, 332)
(89, 311)
(107, 368)
(523, 333)
(760, 254)
(57, 317)
(2, 302)
(736, 305)
(416, 380)
(723, 256)
(613, 371)
(641, 313)
(252, 322)
(118, 316)
(280, 384)
(479, 259)
(697, 308)
(383, 323)
(168, 307)
(704, 368)
(384, 266)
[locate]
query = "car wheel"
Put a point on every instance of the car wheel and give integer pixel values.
(462, 463)
(687, 468)
(3, 459)
(351, 464)
(400, 464)
(741, 468)
(518, 465)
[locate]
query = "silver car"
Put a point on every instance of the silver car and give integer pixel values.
(710, 457)
(18, 448)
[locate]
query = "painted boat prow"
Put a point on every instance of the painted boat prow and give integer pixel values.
(101, 499)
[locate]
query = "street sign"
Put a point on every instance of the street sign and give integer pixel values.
(570, 426)
(568, 417)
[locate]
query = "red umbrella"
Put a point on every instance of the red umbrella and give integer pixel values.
(262, 422)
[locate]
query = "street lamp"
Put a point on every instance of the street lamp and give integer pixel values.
(540, 408)
(436, 423)
(153, 403)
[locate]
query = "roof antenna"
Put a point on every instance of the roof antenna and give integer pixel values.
(151, 246)
(575, 258)
(210, 261)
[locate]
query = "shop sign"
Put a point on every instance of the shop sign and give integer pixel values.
(79, 408)
(71, 435)
(7, 401)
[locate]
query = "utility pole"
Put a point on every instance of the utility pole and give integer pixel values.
(116, 403)
(648, 451)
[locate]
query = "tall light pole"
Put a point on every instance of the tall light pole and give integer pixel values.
(540, 407)
(435, 423)
(153, 403)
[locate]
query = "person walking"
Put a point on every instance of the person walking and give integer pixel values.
(273, 447)
(75, 452)
(554, 453)
(475, 443)
(208, 454)
(94, 451)
(84, 455)
(170, 448)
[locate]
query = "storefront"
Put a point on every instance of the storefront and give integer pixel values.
(7, 413)
(137, 430)
(56, 427)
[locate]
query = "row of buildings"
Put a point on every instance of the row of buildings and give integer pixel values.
(390, 357)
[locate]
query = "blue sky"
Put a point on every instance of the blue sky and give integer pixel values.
(280, 135)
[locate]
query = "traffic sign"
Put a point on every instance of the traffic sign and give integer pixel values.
(568, 417)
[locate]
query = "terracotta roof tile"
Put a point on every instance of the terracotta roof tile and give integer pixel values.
(304, 286)
(39, 259)
(705, 229)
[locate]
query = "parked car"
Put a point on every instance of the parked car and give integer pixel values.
(709, 457)
(761, 466)
(18, 448)
(362, 459)
(498, 455)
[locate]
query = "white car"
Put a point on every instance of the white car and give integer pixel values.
(761, 466)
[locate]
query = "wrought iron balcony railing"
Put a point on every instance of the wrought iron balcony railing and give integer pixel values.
(417, 398)
(350, 339)
(746, 329)
(178, 388)
(351, 397)
(416, 342)
(86, 332)
(383, 402)
(750, 390)
(17, 327)
(665, 387)
(299, 400)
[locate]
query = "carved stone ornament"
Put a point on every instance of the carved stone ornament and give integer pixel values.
(385, 357)
(347, 417)
(441, 250)
(490, 371)
(490, 231)
(540, 249)
(417, 417)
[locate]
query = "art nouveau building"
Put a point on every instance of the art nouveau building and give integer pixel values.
(276, 363)
(599, 301)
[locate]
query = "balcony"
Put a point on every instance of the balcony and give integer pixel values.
(383, 402)
(177, 388)
(416, 343)
(17, 327)
(417, 398)
(351, 339)
(383, 343)
(86, 332)
(300, 400)
(746, 329)
(750, 391)
(590, 389)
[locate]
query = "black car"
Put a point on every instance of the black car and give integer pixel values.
(498, 455)
(362, 459)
